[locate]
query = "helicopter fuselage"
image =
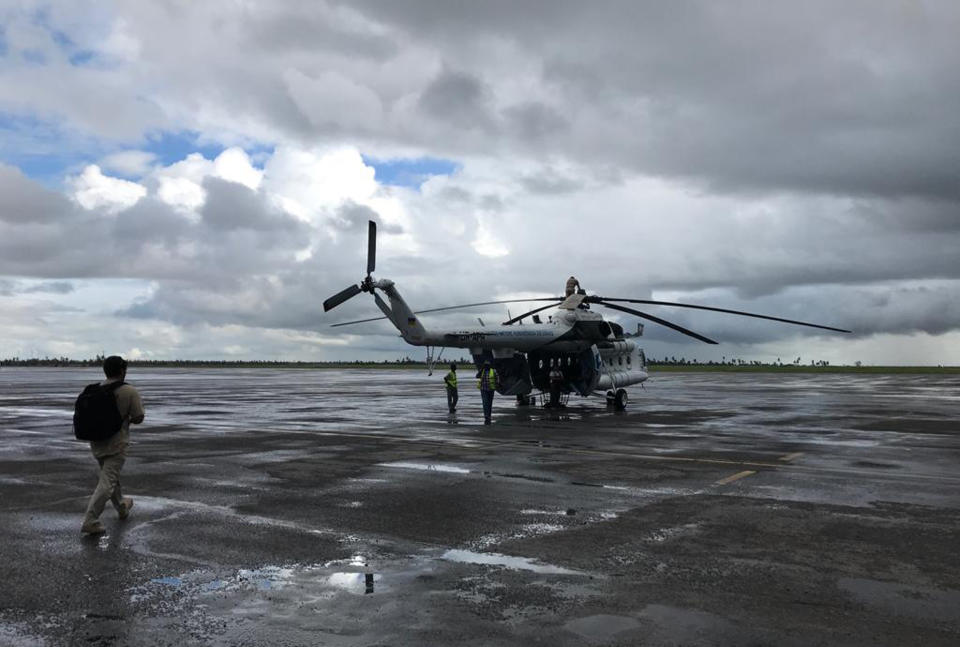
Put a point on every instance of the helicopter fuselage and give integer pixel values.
(592, 354)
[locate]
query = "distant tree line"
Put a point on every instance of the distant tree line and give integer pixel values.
(733, 361)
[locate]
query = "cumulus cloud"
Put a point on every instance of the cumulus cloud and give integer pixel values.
(129, 162)
(94, 190)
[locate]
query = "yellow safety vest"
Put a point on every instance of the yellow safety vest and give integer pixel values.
(451, 380)
(490, 377)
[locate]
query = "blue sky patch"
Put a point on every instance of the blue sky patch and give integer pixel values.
(82, 57)
(170, 147)
(46, 152)
(42, 150)
(409, 172)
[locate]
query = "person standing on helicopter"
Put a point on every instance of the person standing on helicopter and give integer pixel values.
(572, 286)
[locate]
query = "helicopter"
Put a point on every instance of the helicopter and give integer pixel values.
(594, 356)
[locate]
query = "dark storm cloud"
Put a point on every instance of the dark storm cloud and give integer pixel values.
(289, 300)
(866, 311)
(550, 182)
(51, 287)
(10, 288)
(534, 121)
(352, 216)
(853, 98)
(238, 233)
(310, 28)
(860, 98)
(231, 206)
(24, 201)
(151, 222)
(458, 98)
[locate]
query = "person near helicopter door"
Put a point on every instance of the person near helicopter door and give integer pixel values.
(556, 381)
(487, 379)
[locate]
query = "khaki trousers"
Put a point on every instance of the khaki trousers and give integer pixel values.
(108, 487)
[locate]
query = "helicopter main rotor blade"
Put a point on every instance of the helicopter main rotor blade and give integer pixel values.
(340, 297)
(514, 320)
(662, 322)
(604, 300)
(553, 300)
(371, 248)
(491, 303)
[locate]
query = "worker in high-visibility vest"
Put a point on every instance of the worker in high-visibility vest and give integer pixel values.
(487, 381)
(450, 379)
(556, 382)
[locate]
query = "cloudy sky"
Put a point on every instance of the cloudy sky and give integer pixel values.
(192, 179)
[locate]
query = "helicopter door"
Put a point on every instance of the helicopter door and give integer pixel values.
(590, 368)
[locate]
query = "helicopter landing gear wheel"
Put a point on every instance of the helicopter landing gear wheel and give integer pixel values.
(620, 400)
(611, 398)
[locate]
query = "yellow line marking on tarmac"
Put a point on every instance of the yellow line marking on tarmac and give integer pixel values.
(790, 457)
(735, 477)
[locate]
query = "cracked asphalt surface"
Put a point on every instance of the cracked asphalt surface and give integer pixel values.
(293, 507)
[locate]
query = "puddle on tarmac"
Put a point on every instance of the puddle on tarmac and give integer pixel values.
(664, 534)
(507, 561)
(902, 599)
(170, 581)
(314, 582)
(601, 628)
(427, 467)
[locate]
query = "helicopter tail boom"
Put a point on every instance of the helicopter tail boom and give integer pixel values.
(400, 314)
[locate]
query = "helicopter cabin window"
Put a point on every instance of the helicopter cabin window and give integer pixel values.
(620, 360)
(628, 360)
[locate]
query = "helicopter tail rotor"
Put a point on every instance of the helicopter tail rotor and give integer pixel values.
(367, 284)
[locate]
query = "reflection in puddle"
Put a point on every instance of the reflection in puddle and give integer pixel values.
(356, 583)
(316, 578)
(495, 559)
(428, 468)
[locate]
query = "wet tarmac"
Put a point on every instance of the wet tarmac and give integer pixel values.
(285, 507)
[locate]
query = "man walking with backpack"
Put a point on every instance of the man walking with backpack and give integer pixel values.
(103, 415)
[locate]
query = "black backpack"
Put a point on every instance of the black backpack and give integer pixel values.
(96, 415)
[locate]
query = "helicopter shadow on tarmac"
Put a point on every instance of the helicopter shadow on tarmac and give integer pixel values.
(525, 415)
